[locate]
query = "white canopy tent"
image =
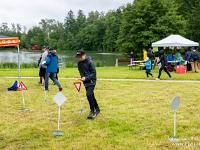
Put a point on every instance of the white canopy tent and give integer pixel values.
(174, 41)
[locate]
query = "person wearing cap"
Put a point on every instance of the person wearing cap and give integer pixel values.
(52, 65)
(163, 61)
(41, 66)
(88, 77)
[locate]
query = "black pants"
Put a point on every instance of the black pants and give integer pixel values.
(148, 72)
(189, 67)
(42, 72)
(165, 69)
(91, 98)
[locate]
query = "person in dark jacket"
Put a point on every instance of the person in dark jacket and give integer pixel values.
(186, 58)
(151, 55)
(192, 61)
(40, 70)
(132, 57)
(163, 61)
(51, 70)
(88, 77)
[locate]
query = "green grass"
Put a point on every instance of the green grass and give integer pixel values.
(104, 72)
(134, 115)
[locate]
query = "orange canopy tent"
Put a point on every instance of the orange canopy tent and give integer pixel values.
(10, 41)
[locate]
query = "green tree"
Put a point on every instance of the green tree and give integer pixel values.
(146, 21)
(190, 10)
(4, 29)
(112, 23)
(35, 36)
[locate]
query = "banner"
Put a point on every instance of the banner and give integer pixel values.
(10, 41)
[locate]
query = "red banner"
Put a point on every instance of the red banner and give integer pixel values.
(11, 41)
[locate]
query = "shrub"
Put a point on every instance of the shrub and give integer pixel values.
(70, 65)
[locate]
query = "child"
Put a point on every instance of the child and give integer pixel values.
(88, 76)
(148, 67)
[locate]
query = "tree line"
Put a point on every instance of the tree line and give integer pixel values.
(132, 27)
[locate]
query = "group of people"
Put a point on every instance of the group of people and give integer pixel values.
(48, 65)
(149, 63)
(191, 57)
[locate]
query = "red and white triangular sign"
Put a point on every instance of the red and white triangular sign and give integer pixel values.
(78, 86)
(22, 86)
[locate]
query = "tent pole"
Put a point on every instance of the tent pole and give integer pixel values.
(18, 65)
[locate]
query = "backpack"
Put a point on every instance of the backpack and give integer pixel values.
(195, 55)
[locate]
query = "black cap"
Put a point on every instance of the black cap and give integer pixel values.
(49, 48)
(79, 53)
(43, 46)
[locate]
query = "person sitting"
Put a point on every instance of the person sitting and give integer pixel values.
(170, 57)
(179, 58)
(171, 65)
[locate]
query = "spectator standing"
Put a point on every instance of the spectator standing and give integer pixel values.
(192, 58)
(42, 66)
(132, 57)
(186, 58)
(40, 72)
(88, 77)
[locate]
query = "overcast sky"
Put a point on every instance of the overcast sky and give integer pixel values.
(30, 12)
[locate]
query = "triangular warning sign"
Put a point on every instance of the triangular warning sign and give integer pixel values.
(78, 86)
(22, 86)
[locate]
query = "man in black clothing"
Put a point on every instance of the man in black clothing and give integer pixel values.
(163, 61)
(88, 76)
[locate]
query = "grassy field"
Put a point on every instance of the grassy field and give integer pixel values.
(134, 115)
(104, 72)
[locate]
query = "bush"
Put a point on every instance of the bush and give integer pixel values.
(98, 64)
(29, 65)
(70, 65)
(12, 65)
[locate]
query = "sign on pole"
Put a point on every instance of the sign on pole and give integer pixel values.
(22, 87)
(175, 105)
(78, 87)
(59, 98)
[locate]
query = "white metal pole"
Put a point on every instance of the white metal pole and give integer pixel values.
(79, 100)
(18, 65)
(174, 124)
(58, 118)
(23, 97)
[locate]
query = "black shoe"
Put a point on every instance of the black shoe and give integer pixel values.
(92, 115)
(97, 111)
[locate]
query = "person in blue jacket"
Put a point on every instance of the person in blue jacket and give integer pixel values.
(51, 70)
(148, 67)
(88, 77)
(171, 57)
